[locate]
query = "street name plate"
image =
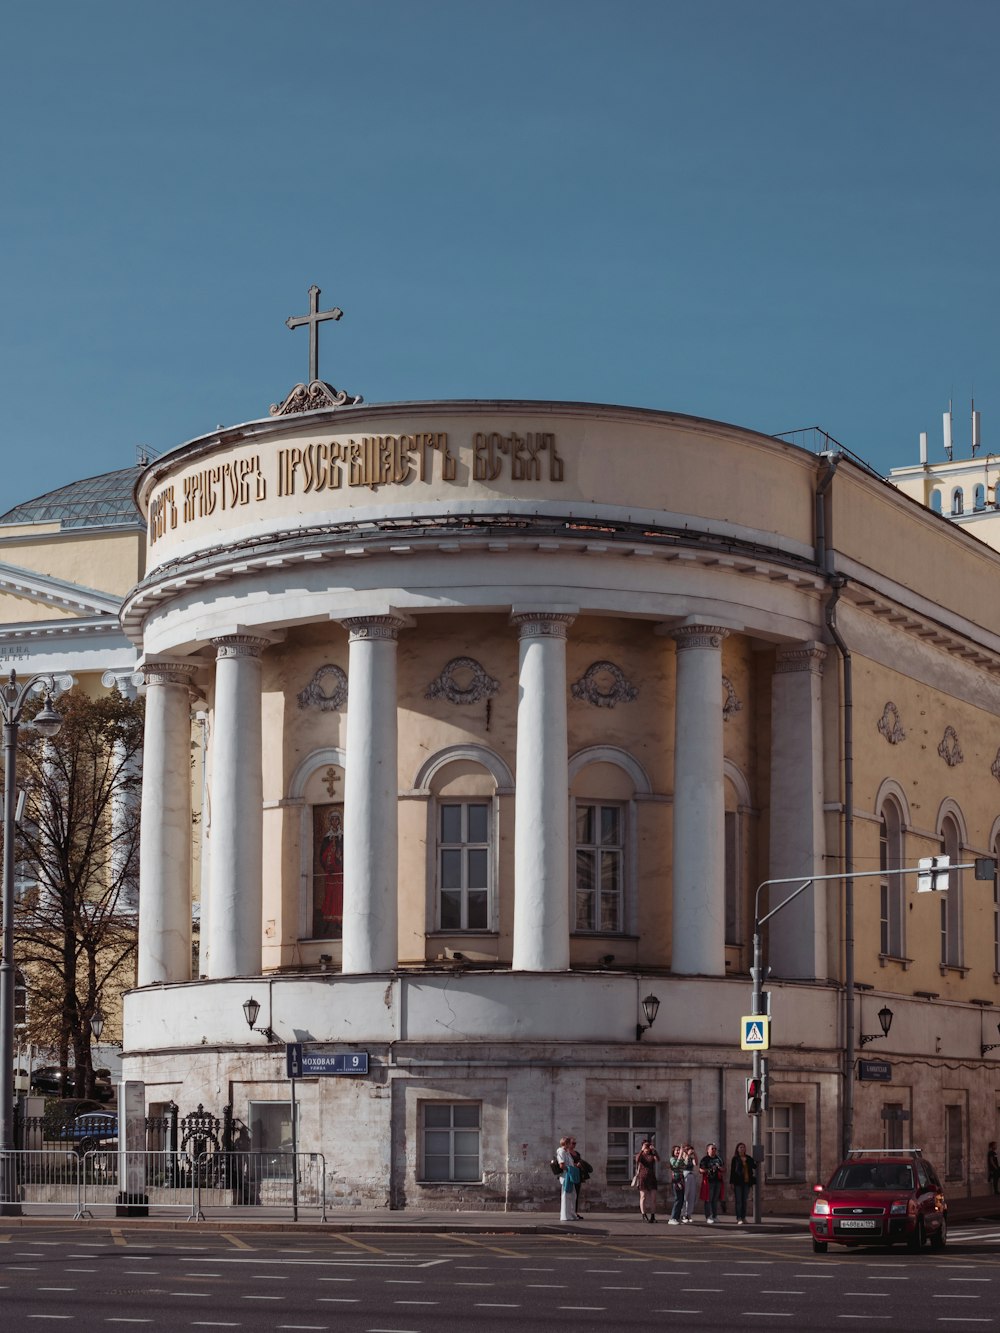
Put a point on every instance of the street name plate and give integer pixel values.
(313, 1064)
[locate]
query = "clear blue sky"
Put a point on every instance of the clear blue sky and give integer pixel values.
(778, 213)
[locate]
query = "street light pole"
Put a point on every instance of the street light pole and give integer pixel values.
(13, 695)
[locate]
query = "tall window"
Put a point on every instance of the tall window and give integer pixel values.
(957, 501)
(464, 865)
(627, 1127)
(734, 879)
(600, 865)
(784, 1142)
(271, 1132)
(951, 902)
(892, 888)
(979, 497)
(451, 1141)
(328, 872)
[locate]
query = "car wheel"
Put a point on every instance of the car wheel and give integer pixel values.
(819, 1246)
(916, 1237)
(940, 1238)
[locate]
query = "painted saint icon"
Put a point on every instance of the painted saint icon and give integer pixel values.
(328, 872)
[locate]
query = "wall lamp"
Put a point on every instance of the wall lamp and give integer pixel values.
(885, 1019)
(989, 1045)
(650, 1008)
(250, 1011)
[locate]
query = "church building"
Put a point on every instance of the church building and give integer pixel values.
(509, 708)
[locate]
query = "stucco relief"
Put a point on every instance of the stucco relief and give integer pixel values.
(949, 749)
(890, 724)
(604, 684)
(995, 767)
(732, 703)
(327, 690)
(463, 680)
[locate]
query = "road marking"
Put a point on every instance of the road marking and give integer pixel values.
(212, 1323)
(766, 1314)
(581, 1307)
(493, 1249)
(360, 1245)
(533, 1286)
(262, 1298)
(124, 1320)
(495, 1305)
(339, 1300)
(55, 1288)
(955, 1296)
(50, 1316)
(776, 1291)
(236, 1242)
(676, 1310)
(415, 1302)
(118, 1237)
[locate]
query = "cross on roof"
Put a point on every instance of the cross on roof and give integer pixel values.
(314, 319)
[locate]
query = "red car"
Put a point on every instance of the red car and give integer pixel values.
(880, 1197)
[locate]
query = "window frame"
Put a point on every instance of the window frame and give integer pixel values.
(794, 1128)
(282, 1168)
(892, 889)
(438, 1104)
(599, 848)
(952, 941)
(619, 1168)
(464, 846)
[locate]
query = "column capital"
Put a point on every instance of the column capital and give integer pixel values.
(542, 624)
(698, 636)
(239, 645)
(165, 672)
(373, 627)
(800, 657)
(125, 682)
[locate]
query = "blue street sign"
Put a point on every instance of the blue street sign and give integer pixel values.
(311, 1064)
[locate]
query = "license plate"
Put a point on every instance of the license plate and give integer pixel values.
(858, 1224)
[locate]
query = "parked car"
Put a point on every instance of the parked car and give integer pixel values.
(52, 1082)
(880, 1197)
(92, 1129)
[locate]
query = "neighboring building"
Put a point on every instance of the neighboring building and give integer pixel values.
(965, 491)
(67, 559)
(510, 707)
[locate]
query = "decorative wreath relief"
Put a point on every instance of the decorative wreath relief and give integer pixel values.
(463, 681)
(327, 690)
(732, 704)
(949, 749)
(995, 767)
(603, 684)
(891, 727)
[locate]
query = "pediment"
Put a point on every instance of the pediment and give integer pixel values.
(26, 595)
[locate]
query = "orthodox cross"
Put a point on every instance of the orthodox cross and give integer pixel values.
(314, 319)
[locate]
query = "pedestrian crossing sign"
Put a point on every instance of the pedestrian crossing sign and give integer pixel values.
(755, 1032)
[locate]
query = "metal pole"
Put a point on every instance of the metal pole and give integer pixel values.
(756, 1007)
(9, 1204)
(295, 1157)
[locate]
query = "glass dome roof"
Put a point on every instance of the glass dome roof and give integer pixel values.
(95, 502)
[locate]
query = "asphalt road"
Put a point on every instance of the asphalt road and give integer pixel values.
(108, 1279)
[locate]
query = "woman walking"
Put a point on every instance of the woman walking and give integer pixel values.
(711, 1177)
(645, 1178)
(692, 1180)
(742, 1177)
(569, 1178)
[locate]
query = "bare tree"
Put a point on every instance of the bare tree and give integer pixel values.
(78, 839)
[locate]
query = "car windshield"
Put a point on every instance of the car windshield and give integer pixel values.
(872, 1176)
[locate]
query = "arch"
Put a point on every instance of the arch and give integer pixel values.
(611, 754)
(949, 808)
(958, 501)
(890, 790)
(937, 504)
(979, 496)
(994, 835)
(740, 784)
(308, 766)
(475, 754)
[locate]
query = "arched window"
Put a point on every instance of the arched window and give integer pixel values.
(603, 784)
(892, 889)
(979, 497)
(951, 902)
(957, 501)
(737, 795)
(936, 501)
(317, 788)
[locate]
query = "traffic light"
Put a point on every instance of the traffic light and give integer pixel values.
(753, 1096)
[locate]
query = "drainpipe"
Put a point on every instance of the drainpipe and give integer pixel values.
(836, 581)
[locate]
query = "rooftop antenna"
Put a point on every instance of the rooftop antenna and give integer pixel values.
(975, 428)
(947, 431)
(923, 448)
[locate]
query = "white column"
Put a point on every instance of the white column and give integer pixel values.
(236, 874)
(797, 939)
(125, 795)
(165, 849)
(371, 793)
(541, 797)
(699, 905)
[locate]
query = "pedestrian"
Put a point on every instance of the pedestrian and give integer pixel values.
(993, 1166)
(569, 1176)
(645, 1178)
(585, 1169)
(742, 1177)
(677, 1168)
(691, 1181)
(711, 1182)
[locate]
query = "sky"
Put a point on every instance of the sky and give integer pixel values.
(776, 213)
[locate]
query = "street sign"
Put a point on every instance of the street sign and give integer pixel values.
(312, 1064)
(874, 1071)
(932, 874)
(755, 1032)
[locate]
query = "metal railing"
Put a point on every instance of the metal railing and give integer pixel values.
(143, 1183)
